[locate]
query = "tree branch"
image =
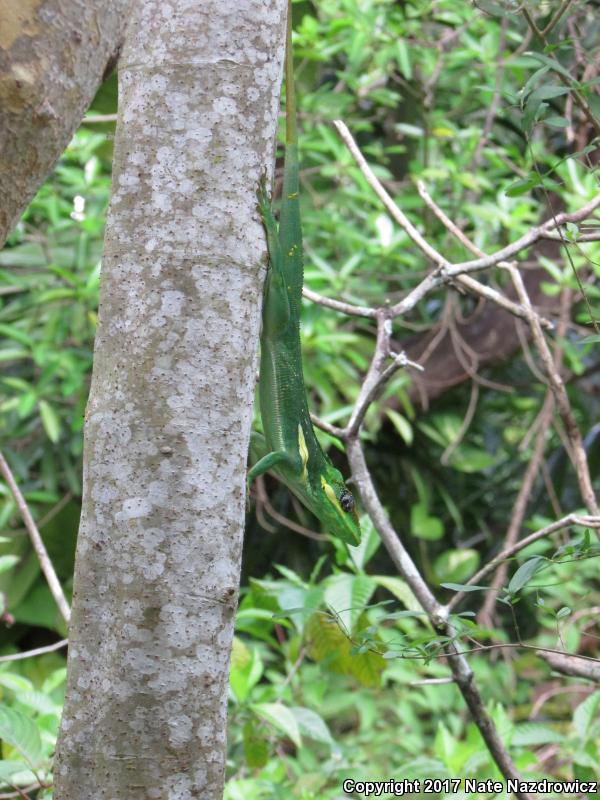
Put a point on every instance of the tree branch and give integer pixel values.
(37, 542)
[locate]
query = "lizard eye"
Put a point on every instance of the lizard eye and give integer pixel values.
(346, 501)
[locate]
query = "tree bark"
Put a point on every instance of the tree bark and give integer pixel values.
(169, 415)
(53, 54)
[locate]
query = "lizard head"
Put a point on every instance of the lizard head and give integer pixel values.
(335, 506)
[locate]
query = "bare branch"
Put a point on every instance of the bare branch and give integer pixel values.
(557, 385)
(578, 98)
(465, 280)
(446, 221)
(520, 507)
(38, 651)
(37, 542)
(387, 201)
(522, 243)
(263, 498)
(509, 552)
(338, 305)
(573, 666)
(475, 287)
(556, 18)
(437, 613)
(333, 430)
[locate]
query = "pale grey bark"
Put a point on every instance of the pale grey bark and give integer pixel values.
(53, 54)
(169, 414)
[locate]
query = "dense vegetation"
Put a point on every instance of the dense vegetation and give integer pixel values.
(333, 661)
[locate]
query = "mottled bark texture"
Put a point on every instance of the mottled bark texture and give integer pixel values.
(169, 414)
(53, 54)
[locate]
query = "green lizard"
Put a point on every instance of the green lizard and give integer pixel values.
(290, 447)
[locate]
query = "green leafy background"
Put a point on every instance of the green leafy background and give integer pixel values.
(332, 648)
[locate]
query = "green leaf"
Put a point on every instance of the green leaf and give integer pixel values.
(13, 354)
(21, 733)
(50, 421)
(16, 683)
(550, 62)
(281, 717)
(8, 562)
(456, 565)
(369, 544)
(525, 573)
(347, 595)
(328, 644)
(492, 8)
(38, 701)
(401, 424)
(549, 92)
(246, 669)
(522, 187)
(403, 55)
(462, 587)
(256, 747)
(424, 526)
(312, 725)
(15, 772)
(529, 734)
(400, 589)
(586, 714)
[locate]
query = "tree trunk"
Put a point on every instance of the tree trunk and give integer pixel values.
(53, 54)
(169, 414)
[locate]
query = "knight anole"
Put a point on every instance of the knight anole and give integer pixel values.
(290, 447)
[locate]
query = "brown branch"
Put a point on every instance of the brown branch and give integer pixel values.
(557, 385)
(263, 498)
(573, 666)
(437, 613)
(509, 552)
(556, 18)
(486, 613)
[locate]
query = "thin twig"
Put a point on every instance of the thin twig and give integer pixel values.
(568, 82)
(338, 305)
(37, 542)
(387, 201)
(496, 97)
(552, 692)
(438, 614)
(446, 221)
(527, 240)
(94, 119)
(557, 385)
(465, 280)
(484, 616)
(333, 430)
(466, 423)
(263, 498)
(499, 299)
(38, 651)
(446, 271)
(583, 237)
(556, 18)
(509, 552)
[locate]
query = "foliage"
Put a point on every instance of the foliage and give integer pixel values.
(329, 660)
